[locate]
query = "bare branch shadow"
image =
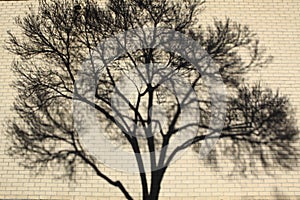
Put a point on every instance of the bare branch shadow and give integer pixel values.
(260, 126)
(63, 39)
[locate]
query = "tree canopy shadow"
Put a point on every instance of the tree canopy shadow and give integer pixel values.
(61, 39)
(261, 126)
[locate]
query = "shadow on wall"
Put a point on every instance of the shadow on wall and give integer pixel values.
(259, 126)
(280, 196)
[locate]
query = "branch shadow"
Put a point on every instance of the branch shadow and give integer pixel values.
(259, 124)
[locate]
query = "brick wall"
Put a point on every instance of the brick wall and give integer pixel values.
(277, 24)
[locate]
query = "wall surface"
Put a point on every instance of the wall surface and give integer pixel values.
(277, 24)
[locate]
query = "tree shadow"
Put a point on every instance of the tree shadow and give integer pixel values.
(75, 60)
(261, 127)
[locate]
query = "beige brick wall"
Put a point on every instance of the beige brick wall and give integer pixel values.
(277, 24)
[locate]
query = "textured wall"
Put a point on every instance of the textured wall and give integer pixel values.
(277, 24)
